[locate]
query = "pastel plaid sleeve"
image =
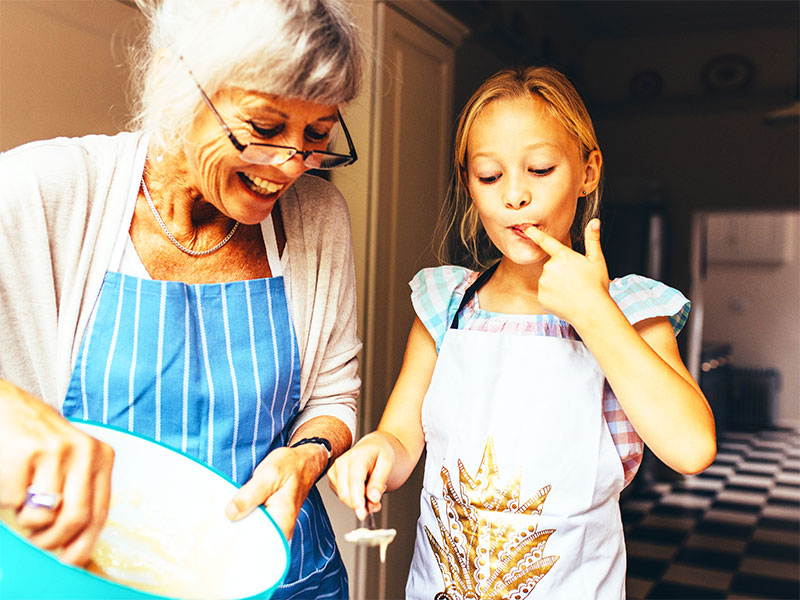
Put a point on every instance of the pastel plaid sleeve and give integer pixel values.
(641, 298)
(630, 446)
(434, 298)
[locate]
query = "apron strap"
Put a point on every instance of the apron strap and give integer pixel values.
(472, 290)
(271, 245)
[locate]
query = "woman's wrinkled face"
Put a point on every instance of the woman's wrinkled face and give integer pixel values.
(524, 168)
(241, 190)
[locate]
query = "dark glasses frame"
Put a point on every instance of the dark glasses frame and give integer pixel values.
(315, 159)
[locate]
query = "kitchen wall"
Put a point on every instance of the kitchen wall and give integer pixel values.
(62, 68)
(752, 298)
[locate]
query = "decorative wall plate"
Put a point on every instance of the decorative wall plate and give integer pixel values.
(646, 84)
(728, 72)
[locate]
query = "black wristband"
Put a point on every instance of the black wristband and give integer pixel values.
(322, 442)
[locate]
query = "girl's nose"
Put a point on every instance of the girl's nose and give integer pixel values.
(516, 196)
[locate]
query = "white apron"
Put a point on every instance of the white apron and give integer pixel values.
(522, 478)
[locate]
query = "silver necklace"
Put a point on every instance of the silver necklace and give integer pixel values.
(171, 237)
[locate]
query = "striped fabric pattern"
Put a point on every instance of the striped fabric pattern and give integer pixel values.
(318, 571)
(211, 369)
(200, 398)
(437, 292)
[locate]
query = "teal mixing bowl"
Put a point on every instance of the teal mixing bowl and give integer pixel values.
(166, 537)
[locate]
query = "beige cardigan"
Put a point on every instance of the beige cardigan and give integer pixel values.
(62, 203)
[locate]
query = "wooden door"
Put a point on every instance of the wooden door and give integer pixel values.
(413, 123)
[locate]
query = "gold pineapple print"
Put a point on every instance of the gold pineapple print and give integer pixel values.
(490, 545)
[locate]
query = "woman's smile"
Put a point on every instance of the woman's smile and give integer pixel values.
(239, 189)
(262, 187)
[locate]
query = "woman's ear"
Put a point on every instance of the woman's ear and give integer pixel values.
(591, 171)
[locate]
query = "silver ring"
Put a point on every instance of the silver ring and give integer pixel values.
(36, 498)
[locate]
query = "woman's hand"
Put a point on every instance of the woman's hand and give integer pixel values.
(281, 483)
(359, 476)
(571, 282)
(40, 449)
(282, 480)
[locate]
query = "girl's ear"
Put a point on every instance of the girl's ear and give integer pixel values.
(591, 171)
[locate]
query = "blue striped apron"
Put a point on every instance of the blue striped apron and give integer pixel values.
(212, 370)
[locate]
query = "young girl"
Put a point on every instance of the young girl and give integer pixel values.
(532, 384)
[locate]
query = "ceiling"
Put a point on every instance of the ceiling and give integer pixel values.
(507, 25)
(626, 17)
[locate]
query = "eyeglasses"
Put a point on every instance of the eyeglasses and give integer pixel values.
(259, 153)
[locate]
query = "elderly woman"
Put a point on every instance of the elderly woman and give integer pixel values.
(189, 281)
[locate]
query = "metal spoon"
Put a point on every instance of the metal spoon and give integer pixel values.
(371, 536)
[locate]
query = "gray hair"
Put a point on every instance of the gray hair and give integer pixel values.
(306, 49)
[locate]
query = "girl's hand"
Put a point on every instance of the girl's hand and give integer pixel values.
(359, 476)
(642, 362)
(384, 459)
(39, 448)
(571, 282)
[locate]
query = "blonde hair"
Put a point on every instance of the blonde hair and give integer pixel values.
(472, 247)
(306, 49)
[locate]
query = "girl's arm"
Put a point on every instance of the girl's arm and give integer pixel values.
(641, 362)
(383, 460)
(654, 388)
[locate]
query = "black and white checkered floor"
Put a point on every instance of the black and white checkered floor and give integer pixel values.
(732, 531)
